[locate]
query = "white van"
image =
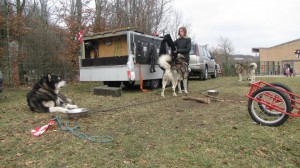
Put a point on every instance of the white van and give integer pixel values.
(202, 63)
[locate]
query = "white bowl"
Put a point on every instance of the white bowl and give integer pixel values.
(78, 110)
(213, 92)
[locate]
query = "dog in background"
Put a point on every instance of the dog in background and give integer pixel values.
(174, 73)
(45, 96)
(249, 70)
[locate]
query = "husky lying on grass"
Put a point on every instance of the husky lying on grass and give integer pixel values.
(45, 96)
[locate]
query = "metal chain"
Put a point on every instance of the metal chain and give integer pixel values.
(146, 102)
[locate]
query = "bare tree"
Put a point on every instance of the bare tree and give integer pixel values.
(171, 25)
(100, 15)
(44, 30)
(145, 15)
(175, 23)
(225, 49)
(225, 45)
(20, 6)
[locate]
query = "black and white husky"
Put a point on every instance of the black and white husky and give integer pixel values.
(174, 72)
(45, 96)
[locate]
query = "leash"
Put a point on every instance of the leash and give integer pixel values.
(73, 130)
(99, 139)
(147, 102)
(38, 131)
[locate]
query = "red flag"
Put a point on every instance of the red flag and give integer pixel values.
(80, 35)
(155, 34)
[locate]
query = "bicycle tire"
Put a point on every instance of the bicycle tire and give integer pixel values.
(284, 87)
(267, 119)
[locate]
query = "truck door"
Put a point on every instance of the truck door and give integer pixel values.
(197, 54)
(209, 61)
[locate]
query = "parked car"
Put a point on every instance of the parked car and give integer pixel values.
(202, 63)
(1, 82)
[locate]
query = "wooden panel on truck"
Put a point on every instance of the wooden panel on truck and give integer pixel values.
(113, 46)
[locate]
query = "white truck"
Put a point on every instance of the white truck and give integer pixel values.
(121, 56)
(202, 63)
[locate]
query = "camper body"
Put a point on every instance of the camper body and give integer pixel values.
(123, 56)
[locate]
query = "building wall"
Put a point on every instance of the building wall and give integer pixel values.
(274, 58)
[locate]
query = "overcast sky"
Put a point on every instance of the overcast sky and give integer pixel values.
(246, 23)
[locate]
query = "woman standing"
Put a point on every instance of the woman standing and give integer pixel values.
(183, 44)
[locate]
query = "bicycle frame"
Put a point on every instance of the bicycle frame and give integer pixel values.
(294, 103)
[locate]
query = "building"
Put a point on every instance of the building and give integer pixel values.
(272, 60)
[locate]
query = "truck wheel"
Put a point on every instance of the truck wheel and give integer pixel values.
(128, 84)
(155, 83)
(204, 75)
(215, 74)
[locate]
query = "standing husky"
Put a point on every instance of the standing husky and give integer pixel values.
(249, 70)
(45, 96)
(174, 73)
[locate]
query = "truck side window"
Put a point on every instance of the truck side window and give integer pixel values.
(202, 52)
(206, 53)
(197, 50)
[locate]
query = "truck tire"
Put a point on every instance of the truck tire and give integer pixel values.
(215, 74)
(128, 84)
(154, 84)
(204, 74)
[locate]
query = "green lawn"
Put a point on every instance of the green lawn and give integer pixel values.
(169, 132)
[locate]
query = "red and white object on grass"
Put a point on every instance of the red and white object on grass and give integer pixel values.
(40, 130)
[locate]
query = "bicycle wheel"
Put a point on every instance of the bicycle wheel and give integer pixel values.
(271, 97)
(284, 87)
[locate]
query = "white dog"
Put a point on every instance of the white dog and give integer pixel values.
(249, 70)
(174, 73)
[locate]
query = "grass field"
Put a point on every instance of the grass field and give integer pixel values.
(169, 132)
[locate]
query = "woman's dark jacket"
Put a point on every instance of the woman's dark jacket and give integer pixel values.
(183, 47)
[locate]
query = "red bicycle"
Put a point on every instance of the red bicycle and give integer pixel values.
(271, 104)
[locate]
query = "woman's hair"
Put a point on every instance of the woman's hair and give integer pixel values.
(183, 29)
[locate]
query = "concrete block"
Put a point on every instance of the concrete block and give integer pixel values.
(108, 91)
